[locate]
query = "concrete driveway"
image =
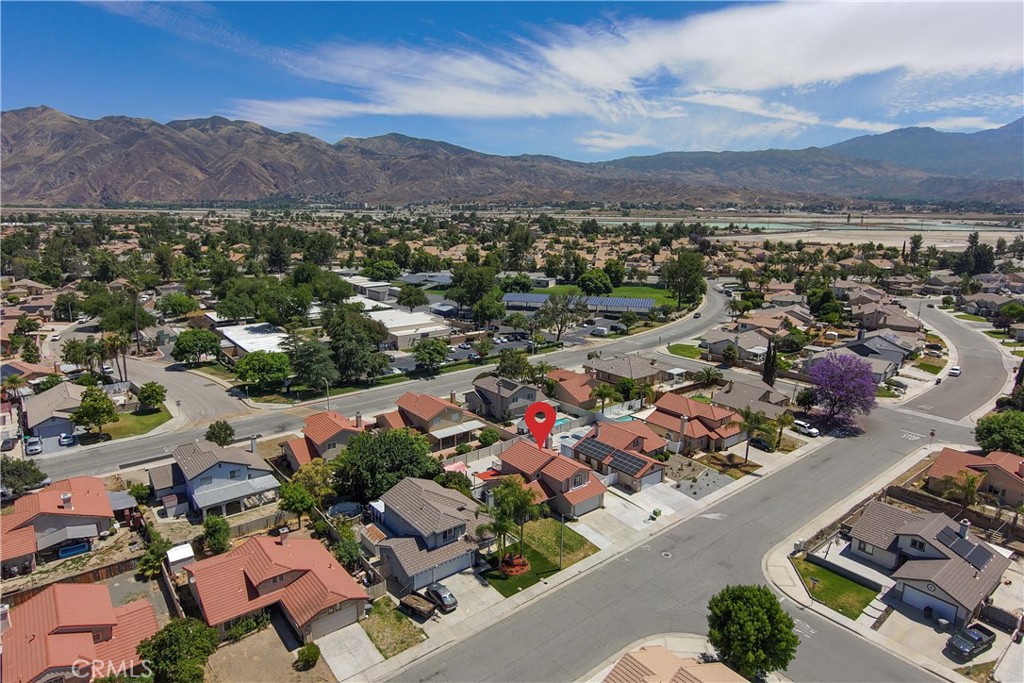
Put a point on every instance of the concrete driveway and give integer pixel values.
(348, 651)
(474, 594)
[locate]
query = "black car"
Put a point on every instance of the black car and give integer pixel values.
(762, 444)
(696, 315)
(439, 594)
(8, 445)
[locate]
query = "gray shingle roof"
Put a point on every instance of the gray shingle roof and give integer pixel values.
(199, 456)
(431, 508)
(61, 400)
(166, 476)
(414, 557)
(879, 523)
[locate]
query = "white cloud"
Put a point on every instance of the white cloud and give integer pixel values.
(954, 123)
(604, 141)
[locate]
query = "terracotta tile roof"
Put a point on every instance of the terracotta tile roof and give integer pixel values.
(18, 540)
(562, 468)
(656, 664)
(32, 644)
(374, 534)
(542, 492)
(226, 584)
(424, 406)
(951, 462)
(392, 420)
(1008, 462)
(681, 405)
(592, 488)
(301, 449)
(577, 384)
(88, 499)
(663, 420)
(321, 427)
(526, 457)
(136, 621)
(727, 430)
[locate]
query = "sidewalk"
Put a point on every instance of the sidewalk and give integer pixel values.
(779, 571)
(445, 636)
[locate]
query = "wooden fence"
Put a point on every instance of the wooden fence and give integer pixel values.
(978, 519)
(272, 521)
(89, 576)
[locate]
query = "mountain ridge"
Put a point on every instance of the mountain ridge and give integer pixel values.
(51, 157)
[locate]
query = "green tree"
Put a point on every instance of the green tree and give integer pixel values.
(488, 309)
(962, 488)
(616, 271)
(20, 474)
(595, 283)
(12, 383)
(30, 351)
(140, 492)
(471, 283)
(384, 271)
(518, 321)
(263, 368)
(296, 499)
(314, 365)
(805, 399)
(163, 261)
(561, 312)
(520, 282)
(430, 353)
(65, 306)
(216, 534)
(683, 275)
(771, 365)
(629, 319)
(750, 630)
(220, 433)
(604, 393)
(156, 551)
(708, 376)
(373, 463)
(348, 550)
(457, 481)
(501, 526)
(754, 424)
(1001, 432)
(152, 395)
(411, 296)
(176, 304)
(309, 655)
(784, 421)
(489, 436)
(514, 364)
(730, 354)
(483, 346)
(516, 502)
(192, 345)
(317, 477)
(95, 410)
(178, 652)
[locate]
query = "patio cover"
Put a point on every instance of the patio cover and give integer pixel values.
(458, 429)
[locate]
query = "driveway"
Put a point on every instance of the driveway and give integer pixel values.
(474, 594)
(348, 651)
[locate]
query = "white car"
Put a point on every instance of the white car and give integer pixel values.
(33, 446)
(955, 371)
(55, 337)
(108, 369)
(804, 428)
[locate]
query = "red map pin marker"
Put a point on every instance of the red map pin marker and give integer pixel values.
(540, 418)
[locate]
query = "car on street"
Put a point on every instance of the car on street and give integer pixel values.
(391, 359)
(762, 445)
(55, 337)
(439, 594)
(8, 445)
(108, 369)
(465, 346)
(805, 428)
(34, 446)
(696, 315)
(66, 440)
(955, 371)
(971, 641)
(599, 332)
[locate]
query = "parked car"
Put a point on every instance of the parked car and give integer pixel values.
(955, 371)
(762, 445)
(599, 331)
(805, 428)
(696, 315)
(439, 594)
(933, 346)
(108, 369)
(391, 359)
(55, 337)
(971, 641)
(465, 346)
(34, 446)
(8, 445)
(66, 440)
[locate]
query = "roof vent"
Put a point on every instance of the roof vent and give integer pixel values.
(65, 501)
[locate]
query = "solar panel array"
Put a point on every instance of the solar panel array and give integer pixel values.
(598, 302)
(524, 298)
(977, 555)
(620, 460)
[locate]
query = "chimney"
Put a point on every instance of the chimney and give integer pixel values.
(283, 534)
(451, 396)
(5, 618)
(252, 443)
(683, 419)
(1020, 468)
(65, 501)
(965, 527)
(597, 429)
(359, 420)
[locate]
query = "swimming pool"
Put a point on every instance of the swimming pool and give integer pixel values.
(626, 418)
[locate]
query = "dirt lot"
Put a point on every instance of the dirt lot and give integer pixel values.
(259, 658)
(182, 530)
(680, 467)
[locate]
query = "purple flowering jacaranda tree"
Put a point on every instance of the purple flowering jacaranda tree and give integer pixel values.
(844, 386)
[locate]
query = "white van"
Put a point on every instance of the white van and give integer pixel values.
(599, 332)
(804, 428)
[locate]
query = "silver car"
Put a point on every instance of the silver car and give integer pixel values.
(34, 446)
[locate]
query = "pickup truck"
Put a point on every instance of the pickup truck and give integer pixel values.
(971, 641)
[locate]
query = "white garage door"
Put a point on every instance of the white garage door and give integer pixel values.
(920, 600)
(329, 623)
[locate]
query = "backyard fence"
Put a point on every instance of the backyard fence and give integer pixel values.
(978, 519)
(272, 521)
(168, 584)
(90, 576)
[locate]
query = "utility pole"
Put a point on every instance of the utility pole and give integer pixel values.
(561, 540)
(328, 384)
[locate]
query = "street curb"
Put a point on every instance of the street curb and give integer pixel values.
(780, 573)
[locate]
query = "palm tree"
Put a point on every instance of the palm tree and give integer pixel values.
(517, 503)
(540, 371)
(110, 352)
(646, 393)
(502, 527)
(784, 421)
(95, 353)
(123, 344)
(963, 488)
(708, 376)
(12, 383)
(72, 352)
(605, 392)
(754, 423)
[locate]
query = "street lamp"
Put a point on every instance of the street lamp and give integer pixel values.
(328, 385)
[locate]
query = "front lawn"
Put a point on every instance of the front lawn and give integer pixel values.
(540, 568)
(834, 591)
(389, 630)
(885, 392)
(685, 350)
(542, 535)
(129, 424)
(972, 318)
(730, 465)
(932, 366)
(981, 673)
(219, 371)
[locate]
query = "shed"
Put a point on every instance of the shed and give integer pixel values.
(179, 556)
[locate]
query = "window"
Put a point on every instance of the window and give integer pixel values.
(331, 445)
(448, 534)
(866, 548)
(579, 480)
(234, 474)
(205, 481)
(277, 579)
(436, 421)
(917, 544)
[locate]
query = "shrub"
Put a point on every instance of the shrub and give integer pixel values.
(248, 625)
(139, 491)
(216, 534)
(489, 436)
(463, 448)
(309, 655)
(321, 529)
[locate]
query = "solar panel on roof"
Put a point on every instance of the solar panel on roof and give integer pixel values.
(627, 462)
(947, 537)
(979, 557)
(524, 298)
(962, 547)
(620, 460)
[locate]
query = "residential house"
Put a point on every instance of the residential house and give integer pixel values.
(443, 422)
(433, 532)
(216, 480)
(1015, 283)
(939, 566)
(625, 452)
(881, 368)
(61, 520)
(1017, 331)
(72, 632)
(901, 285)
(1002, 474)
(574, 388)
(785, 299)
(693, 425)
(325, 434)
(984, 304)
(768, 326)
(569, 487)
(500, 399)
(300, 576)
(49, 413)
(751, 346)
(884, 344)
(656, 664)
(756, 395)
(637, 368)
(877, 316)
(945, 284)
(25, 287)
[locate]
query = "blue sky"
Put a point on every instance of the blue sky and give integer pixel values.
(579, 80)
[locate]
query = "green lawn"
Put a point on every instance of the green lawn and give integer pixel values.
(972, 318)
(659, 295)
(997, 334)
(685, 350)
(830, 589)
(219, 371)
(933, 366)
(701, 398)
(540, 568)
(885, 392)
(389, 630)
(542, 536)
(133, 424)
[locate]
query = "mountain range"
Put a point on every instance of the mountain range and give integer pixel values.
(52, 158)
